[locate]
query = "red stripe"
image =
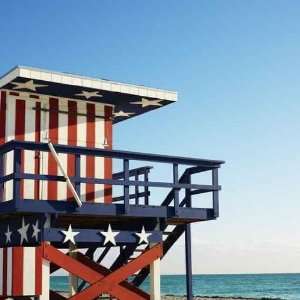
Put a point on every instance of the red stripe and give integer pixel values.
(17, 252)
(2, 131)
(20, 120)
(37, 153)
(20, 131)
(14, 93)
(17, 271)
(2, 117)
(108, 161)
(38, 270)
(4, 271)
(72, 140)
(53, 136)
(90, 142)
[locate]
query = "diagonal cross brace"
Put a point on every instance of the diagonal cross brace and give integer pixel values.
(104, 271)
(109, 283)
(100, 283)
(82, 271)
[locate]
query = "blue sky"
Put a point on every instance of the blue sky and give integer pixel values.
(236, 67)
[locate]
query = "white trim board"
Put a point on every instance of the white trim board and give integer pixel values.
(87, 82)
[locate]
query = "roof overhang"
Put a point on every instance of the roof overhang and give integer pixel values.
(128, 100)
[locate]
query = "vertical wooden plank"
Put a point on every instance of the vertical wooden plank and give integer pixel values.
(108, 132)
(29, 262)
(77, 174)
(126, 186)
(215, 182)
(17, 270)
(73, 280)
(53, 136)
(146, 190)
(136, 189)
(63, 122)
(45, 295)
(155, 280)
(188, 262)
(17, 181)
(37, 163)
(176, 191)
(90, 141)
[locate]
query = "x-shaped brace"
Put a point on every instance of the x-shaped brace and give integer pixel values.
(112, 283)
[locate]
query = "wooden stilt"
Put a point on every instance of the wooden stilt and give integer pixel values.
(73, 280)
(46, 271)
(188, 262)
(155, 280)
(45, 280)
(155, 275)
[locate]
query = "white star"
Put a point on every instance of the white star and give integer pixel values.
(88, 95)
(28, 85)
(146, 102)
(8, 235)
(110, 236)
(143, 236)
(23, 231)
(122, 113)
(69, 235)
(36, 230)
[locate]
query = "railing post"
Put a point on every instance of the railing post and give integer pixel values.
(176, 190)
(188, 196)
(77, 174)
(1, 175)
(215, 183)
(136, 189)
(146, 190)
(17, 180)
(126, 186)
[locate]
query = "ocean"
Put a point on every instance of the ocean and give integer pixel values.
(283, 286)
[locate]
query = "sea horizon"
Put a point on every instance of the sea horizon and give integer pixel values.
(257, 286)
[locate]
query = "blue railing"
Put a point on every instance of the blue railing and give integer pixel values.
(126, 178)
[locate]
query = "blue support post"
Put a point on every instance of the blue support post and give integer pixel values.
(215, 182)
(188, 247)
(176, 190)
(17, 180)
(188, 262)
(1, 175)
(126, 186)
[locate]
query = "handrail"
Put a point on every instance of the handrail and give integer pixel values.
(24, 145)
(126, 178)
(133, 172)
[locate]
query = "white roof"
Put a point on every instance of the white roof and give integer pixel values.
(88, 82)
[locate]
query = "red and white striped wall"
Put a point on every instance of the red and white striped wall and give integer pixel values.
(28, 117)
(63, 121)
(20, 271)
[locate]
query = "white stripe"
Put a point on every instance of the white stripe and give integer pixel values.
(81, 141)
(44, 155)
(10, 135)
(29, 156)
(62, 139)
(29, 271)
(99, 161)
(9, 271)
(45, 280)
(1, 271)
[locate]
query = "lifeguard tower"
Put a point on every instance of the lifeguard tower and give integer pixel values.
(58, 202)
